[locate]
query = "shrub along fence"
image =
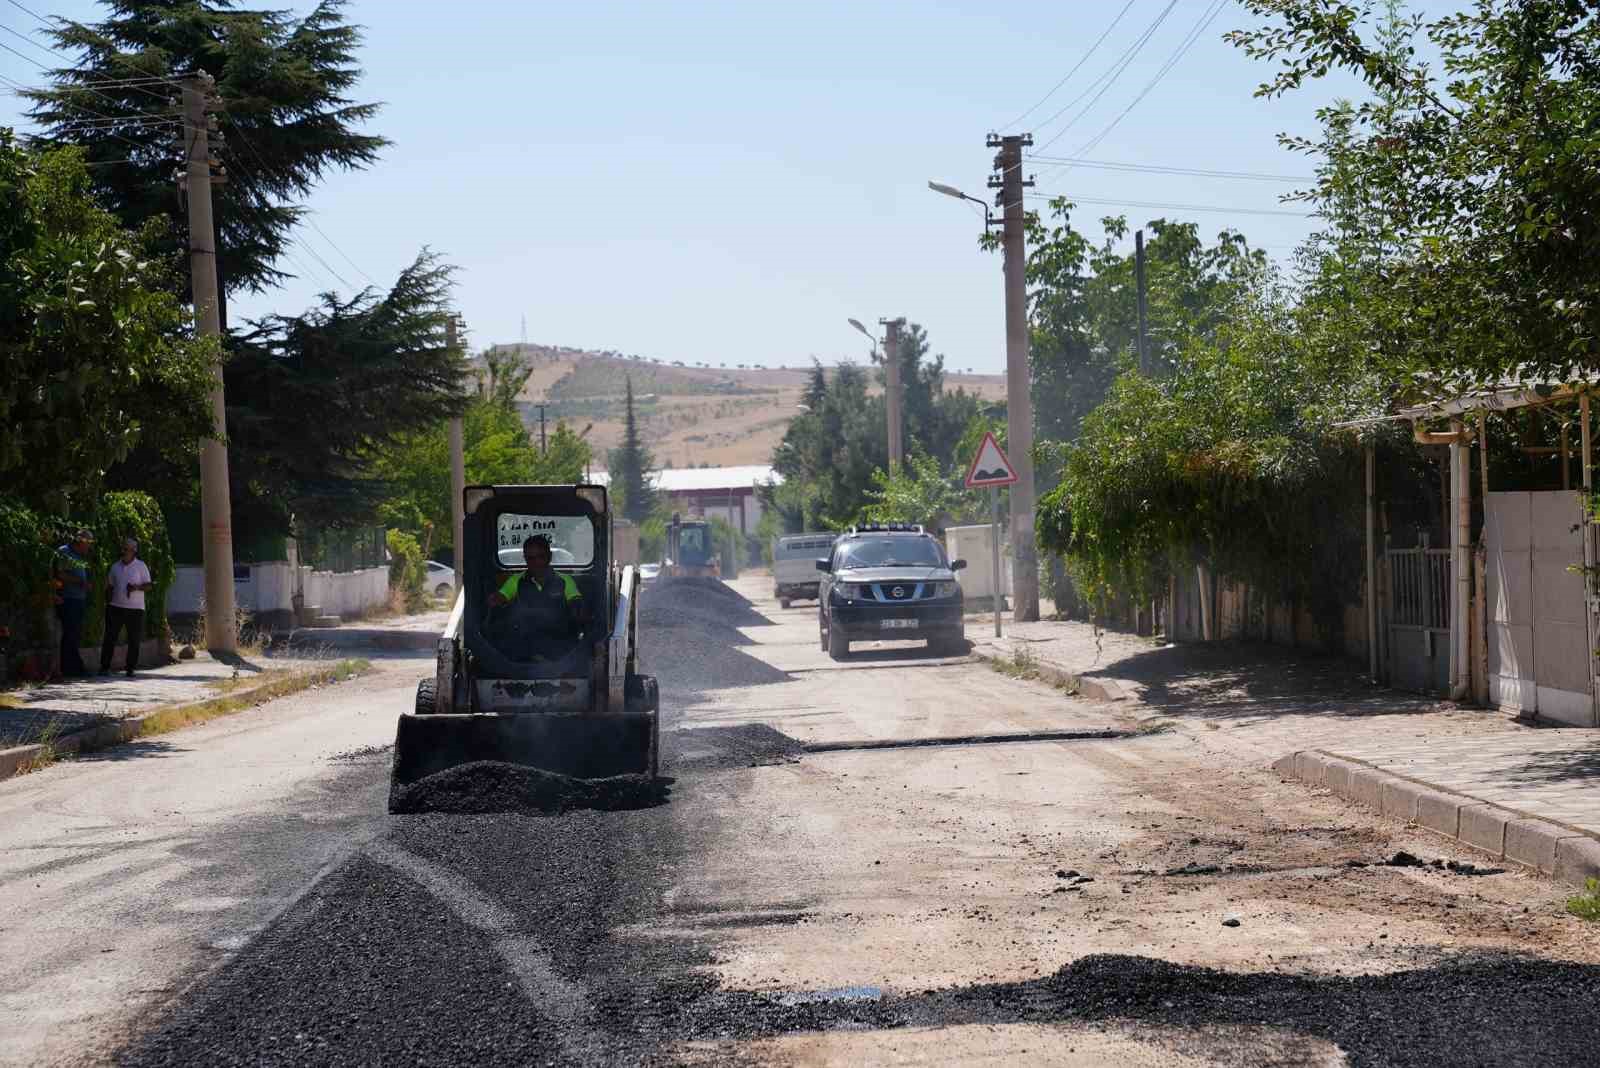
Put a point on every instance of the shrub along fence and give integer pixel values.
(28, 542)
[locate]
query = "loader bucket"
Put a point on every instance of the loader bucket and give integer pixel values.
(576, 747)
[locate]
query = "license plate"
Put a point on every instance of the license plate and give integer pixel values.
(898, 624)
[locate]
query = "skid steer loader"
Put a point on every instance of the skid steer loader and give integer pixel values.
(509, 688)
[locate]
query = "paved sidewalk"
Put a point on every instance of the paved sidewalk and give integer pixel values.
(1273, 701)
(33, 713)
(58, 708)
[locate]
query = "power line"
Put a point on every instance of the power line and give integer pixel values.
(1075, 67)
(1173, 207)
(1204, 21)
(1109, 78)
(256, 155)
(91, 111)
(1156, 168)
(111, 51)
(340, 251)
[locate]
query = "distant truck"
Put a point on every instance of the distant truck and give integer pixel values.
(794, 565)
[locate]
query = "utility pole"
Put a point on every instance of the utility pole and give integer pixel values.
(541, 431)
(1138, 267)
(458, 470)
(216, 512)
(1019, 378)
(891, 363)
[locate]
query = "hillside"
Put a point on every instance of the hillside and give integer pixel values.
(689, 416)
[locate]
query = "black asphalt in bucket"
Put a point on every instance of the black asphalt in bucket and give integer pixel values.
(497, 786)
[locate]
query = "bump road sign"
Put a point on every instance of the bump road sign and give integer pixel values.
(990, 467)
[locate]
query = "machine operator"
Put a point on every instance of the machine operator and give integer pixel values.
(547, 605)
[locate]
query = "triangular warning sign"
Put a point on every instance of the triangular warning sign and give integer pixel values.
(990, 467)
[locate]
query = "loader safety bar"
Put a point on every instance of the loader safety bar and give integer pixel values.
(445, 657)
(622, 638)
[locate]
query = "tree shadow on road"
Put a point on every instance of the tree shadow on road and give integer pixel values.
(1579, 765)
(1250, 681)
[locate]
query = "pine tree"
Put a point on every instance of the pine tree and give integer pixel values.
(631, 467)
(285, 117)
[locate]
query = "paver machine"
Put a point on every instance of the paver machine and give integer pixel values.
(550, 682)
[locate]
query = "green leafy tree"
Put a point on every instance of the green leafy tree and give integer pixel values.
(1462, 193)
(286, 116)
(919, 491)
(631, 467)
(98, 359)
(497, 449)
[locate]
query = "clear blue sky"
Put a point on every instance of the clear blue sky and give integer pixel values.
(729, 181)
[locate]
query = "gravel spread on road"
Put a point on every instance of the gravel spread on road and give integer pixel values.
(519, 938)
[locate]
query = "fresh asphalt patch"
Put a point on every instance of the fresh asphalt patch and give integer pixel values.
(518, 938)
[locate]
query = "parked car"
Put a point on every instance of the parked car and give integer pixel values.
(649, 572)
(889, 581)
(794, 565)
(441, 579)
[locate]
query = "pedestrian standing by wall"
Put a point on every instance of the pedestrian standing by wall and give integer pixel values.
(126, 584)
(70, 570)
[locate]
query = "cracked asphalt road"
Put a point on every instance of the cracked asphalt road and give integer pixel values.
(1055, 901)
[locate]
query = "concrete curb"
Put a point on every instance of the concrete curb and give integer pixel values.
(116, 732)
(1082, 685)
(1550, 848)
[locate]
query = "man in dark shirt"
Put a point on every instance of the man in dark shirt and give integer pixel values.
(70, 572)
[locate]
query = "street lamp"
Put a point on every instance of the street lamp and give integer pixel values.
(952, 191)
(891, 375)
(1019, 382)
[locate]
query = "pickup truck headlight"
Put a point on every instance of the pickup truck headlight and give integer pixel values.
(946, 589)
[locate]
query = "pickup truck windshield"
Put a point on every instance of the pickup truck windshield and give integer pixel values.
(891, 552)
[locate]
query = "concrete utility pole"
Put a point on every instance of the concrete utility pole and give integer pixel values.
(216, 512)
(891, 364)
(1019, 378)
(1138, 267)
(458, 471)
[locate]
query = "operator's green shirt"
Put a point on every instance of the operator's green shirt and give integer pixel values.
(569, 588)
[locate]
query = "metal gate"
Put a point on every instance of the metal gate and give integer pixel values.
(1540, 657)
(1417, 616)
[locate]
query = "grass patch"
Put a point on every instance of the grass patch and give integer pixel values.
(241, 697)
(1155, 726)
(1586, 906)
(1020, 664)
(48, 753)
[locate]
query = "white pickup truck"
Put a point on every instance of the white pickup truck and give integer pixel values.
(794, 565)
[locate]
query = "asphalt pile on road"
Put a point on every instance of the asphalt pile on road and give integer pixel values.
(497, 786)
(690, 638)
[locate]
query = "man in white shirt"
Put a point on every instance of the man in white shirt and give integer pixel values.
(125, 586)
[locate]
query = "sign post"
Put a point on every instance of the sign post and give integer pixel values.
(991, 468)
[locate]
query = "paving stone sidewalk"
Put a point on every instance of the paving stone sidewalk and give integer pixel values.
(54, 709)
(1276, 701)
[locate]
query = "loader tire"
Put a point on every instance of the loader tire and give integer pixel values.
(427, 703)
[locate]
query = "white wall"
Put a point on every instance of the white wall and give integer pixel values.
(972, 545)
(270, 587)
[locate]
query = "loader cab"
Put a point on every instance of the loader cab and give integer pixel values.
(499, 521)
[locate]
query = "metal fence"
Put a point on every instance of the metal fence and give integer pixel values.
(1419, 587)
